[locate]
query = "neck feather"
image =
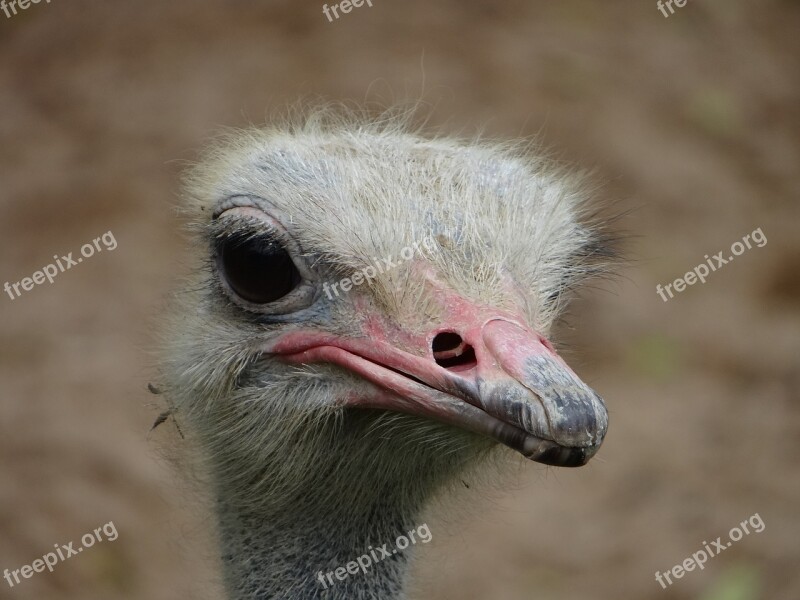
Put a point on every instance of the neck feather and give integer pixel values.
(300, 556)
(308, 509)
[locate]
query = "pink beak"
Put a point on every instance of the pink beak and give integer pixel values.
(497, 379)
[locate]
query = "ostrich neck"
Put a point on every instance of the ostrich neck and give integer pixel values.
(294, 554)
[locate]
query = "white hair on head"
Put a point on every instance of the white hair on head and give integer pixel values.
(363, 189)
(506, 229)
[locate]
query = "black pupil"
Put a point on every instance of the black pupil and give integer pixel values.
(259, 271)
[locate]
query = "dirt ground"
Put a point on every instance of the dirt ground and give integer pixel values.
(692, 126)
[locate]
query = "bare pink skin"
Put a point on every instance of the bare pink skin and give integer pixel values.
(497, 394)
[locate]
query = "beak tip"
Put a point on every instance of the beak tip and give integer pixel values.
(553, 454)
(566, 457)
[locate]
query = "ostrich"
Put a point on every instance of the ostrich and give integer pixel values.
(328, 414)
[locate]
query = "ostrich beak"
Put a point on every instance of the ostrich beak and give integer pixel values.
(524, 382)
(509, 384)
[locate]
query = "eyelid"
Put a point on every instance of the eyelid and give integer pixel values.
(244, 222)
(247, 221)
(240, 201)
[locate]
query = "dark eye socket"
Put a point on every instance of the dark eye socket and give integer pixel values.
(257, 269)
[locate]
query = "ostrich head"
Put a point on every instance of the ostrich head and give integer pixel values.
(368, 317)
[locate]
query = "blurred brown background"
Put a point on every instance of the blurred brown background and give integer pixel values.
(691, 123)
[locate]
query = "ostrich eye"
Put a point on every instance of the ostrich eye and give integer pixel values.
(259, 270)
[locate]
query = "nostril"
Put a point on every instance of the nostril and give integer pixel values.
(452, 352)
(446, 341)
